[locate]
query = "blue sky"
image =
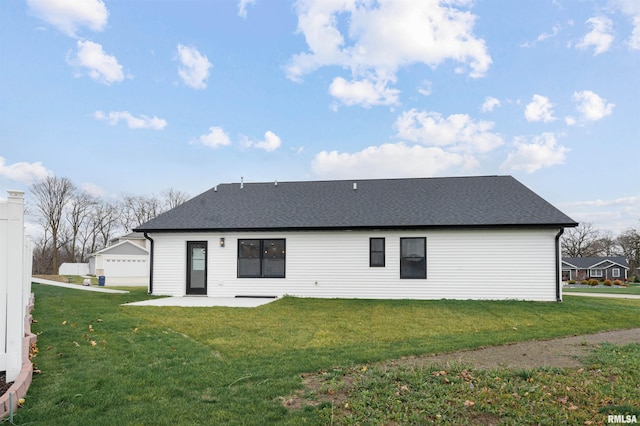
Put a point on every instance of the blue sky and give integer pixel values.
(135, 97)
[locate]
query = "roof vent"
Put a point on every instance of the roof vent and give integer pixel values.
(241, 182)
(215, 188)
(355, 186)
(276, 183)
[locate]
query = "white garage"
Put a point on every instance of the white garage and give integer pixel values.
(125, 263)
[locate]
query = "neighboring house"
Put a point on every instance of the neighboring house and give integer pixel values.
(123, 263)
(484, 237)
(600, 268)
(135, 237)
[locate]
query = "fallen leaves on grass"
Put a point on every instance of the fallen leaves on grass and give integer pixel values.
(573, 396)
(466, 376)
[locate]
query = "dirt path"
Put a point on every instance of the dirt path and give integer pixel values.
(562, 352)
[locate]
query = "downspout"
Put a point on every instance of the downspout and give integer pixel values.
(150, 263)
(558, 270)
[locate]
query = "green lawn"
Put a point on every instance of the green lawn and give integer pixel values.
(103, 363)
(457, 394)
(632, 289)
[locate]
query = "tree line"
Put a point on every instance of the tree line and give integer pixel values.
(587, 241)
(75, 224)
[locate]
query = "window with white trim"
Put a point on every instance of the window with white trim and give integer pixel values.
(596, 273)
(615, 272)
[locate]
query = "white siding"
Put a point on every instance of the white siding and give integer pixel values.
(464, 264)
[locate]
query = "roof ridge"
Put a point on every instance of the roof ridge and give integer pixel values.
(242, 181)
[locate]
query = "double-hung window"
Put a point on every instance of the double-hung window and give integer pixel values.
(376, 252)
(413, 258)
(261, 258)
(596, 273)
(615, 272)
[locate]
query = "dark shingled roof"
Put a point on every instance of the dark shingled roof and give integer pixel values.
(588, 262)
(376, 204)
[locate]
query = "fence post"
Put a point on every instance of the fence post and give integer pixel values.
(14, 283)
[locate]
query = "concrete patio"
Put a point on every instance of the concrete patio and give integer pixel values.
(204, 301)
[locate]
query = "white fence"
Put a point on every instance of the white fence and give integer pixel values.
(15, 285)
(73, 269)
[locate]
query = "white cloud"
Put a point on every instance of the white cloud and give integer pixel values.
(591, 106)
(363, 92)
(539, 109)
(69, 15)
(242, 7)
(25, 173)
(570, 121)
(600, 37)
(100, 66)
(425, 88)
(389, 160)
(142, 122)
(631, 8)
(628, 7)
(194, 69)
(616, 214)
(554, 32)
(270, 143)
(544, 36)
(489, 104)
(458, 131)
(622, 201)
(634, 40)
(543, 151)
(381, 37)
(93, 189)
(215, 138)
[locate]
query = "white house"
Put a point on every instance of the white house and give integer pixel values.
(487, 237)
(124, 263)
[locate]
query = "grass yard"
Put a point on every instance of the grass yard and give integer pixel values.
(102, 362)
(456, 394)
(632, 289)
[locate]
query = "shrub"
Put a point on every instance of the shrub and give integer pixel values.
(571, 282)
(593, 282)
(608, 282)
(584, 282)
(617, 282)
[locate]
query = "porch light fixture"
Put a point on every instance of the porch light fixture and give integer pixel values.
(221, 242)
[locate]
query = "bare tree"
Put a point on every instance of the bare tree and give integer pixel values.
(78, 213)
(51, 196)
(173, 198)
(580, 241)
(42, 254)
(106, 219)
(139, 209)
(629, 242)
(606, 245)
